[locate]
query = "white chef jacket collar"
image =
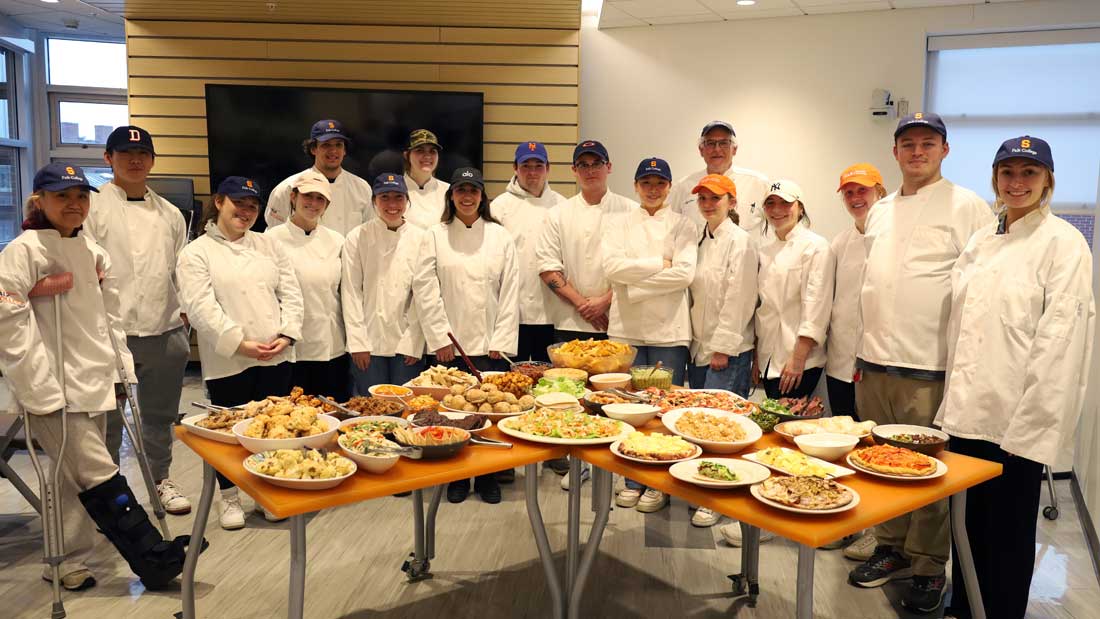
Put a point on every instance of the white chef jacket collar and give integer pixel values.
(428, 186)
(724, 228)
(1028, 223)
(331, 181)
(478, 224)
(298, 231)
(798, 229)
(120, 193)
(930, 187)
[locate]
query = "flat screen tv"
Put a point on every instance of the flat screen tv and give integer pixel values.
(257, 131)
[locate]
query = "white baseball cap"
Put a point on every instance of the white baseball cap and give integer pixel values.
(312, 181)
(786, 189)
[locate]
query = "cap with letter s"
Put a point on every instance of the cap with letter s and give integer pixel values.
(59, 176)
(389, 183)
(130, 137)
(239, 187)
(328, 129)
(653, 166)
(1025, 147)
(921, 119)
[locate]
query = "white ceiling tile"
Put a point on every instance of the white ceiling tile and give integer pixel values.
(645, 9)
(837, 3)
(612, 17)
(917, 4)
(725, 6)
(684, 19)
(847, 7)
(754, 13)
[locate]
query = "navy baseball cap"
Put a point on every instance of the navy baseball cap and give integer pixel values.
(129, 137)
(327, 129)
(718, 124)
(654, 166)
(590, 146)
(389, 183)
(531, 150)
(239, 187)
(60, 176)
(921, 119)
(1025, 147)
(469, 176)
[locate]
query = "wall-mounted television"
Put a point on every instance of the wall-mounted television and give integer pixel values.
(257, 131)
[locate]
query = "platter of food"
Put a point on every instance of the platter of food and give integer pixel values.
(435, 442)
(531, 369)
(471, 422)
(928, 441)
(805, 495)
(437, 381)
(368, 448)
(382, 424)
(559, 384)
(593, 356)
(896, 463)
(670, 399)
(716, 430)
(791, 462)
(216, 426)
(420, 403)
(655, 448)
(376, 405)
(564, 427)
(286, 426)
(792, 409)
(515, 383)
(719, 472)
(487, 400)
(300, 469)
(390, 392)
(842, 424)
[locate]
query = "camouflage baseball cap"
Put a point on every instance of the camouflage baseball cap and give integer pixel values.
(421, 137)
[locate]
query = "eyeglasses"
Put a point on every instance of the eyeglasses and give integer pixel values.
(584, 167)
(717, 143)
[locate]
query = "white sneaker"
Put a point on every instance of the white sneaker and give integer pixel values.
(732, 534)
(628, 497)
(231, 513)
(704, 517)
(862, 548)
(585, 476)
(651, 501)
(172, 498)
(268, 516)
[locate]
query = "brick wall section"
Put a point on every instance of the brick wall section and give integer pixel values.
(1084, 223)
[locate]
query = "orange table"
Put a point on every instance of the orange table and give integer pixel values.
(880, 500)
(406, 475)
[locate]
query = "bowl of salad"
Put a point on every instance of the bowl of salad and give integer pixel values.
(369, 449)
(793, 409)
(568, 386)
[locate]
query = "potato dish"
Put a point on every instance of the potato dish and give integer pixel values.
(593, 356)
(514, 383)
(486, 399)
(442, 376)
(421, 403)
(301, 464)
(709, 427)
(286, 420)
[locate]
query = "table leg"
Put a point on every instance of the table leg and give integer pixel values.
(433, 509)
(747, 582)
(572, 549)
(417, 567)
(10, 474)
(601, 484)
(297, 599)
(966, 557)
(187, 592)
(542, 542)
(805, 587)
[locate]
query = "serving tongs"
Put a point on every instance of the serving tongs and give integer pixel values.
(469, 364)
(629, 396)
(410, 452)
(489, 442)
(214, 408)
(340, 407)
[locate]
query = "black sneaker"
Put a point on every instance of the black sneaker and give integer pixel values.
(559, 465)
(885, 564)
(457, 491)
(925, 594)
(487, 488)
(506, 476)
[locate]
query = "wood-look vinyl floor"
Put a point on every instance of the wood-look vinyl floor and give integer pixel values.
(486, 566)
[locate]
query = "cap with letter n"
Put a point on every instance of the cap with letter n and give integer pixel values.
(467, 176)
(129, 137)
(328, 129)
(591, 147)
(239, 187)
(58, 176)
(1026, 147)
(921, 119)
(389, 183)
(653, 166)
(531, 150)
(785, 189)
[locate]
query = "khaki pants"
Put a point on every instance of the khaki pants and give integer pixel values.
(924, 535)
(86, 465)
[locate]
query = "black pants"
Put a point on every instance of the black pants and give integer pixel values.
(565, 336)
(810, 378)
(330, 378)
(842, 397)
(255, 383)
(1000, 523)
(533, 340)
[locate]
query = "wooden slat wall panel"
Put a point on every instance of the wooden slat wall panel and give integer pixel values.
(529, 78)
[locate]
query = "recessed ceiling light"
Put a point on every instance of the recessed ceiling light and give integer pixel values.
(746, 2)
(51, 1)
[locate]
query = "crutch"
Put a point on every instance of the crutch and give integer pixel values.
(53, 533)
(1050, 512)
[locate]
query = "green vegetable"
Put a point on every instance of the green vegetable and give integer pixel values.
(717, 471)
(574, 388)
(765, 420)
(773, 406)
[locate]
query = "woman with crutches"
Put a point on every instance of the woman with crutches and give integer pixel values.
(56, 353)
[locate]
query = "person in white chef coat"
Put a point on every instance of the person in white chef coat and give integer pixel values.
(320, 357)
(467, 284)
(48, 246)
(914, 237)
(718, 147)
(522, 210)
(427, 194)
(1019, 348)
(144, 234)
(649, 258)
(242, 297)
(349, 206)
(380, 259)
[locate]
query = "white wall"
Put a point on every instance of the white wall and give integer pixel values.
(797, 89)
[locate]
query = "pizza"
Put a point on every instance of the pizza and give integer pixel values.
(806, 492)
(893, 461)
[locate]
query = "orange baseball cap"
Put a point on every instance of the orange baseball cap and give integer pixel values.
(718, 183)
(862, 173)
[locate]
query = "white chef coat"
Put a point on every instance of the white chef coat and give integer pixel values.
(723, 293)
(649, 303)
(144, 239)
(350, 205)
(1020, 337)
(238, 290)
(752, 187)
(377, 289)
(28, 331)
(316, 261)
(426, 204)
(524, 216)
(571, 244)
(467, 283)
(845, 327)
(796, 296)
(906, 296)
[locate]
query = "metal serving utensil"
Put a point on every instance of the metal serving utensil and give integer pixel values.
(338, 406)
(215, 408)
(489, 442)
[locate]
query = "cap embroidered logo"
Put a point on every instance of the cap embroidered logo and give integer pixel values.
(775, 187)
(652, 164)
(390, 177)
(248, 183)
(70, 170)
(918, 116)
(1025, 143)
(587, 144)
(531, 146)
(135, 135)
(331, 125)
(468, 174)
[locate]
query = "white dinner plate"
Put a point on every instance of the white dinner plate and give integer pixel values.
(457, 415)
(755, 490)
(748, 426)
(941, 470)
(748, 473)
(839, 471)
(615, 450)
(505, 427)
(297, 484)
(214, 435)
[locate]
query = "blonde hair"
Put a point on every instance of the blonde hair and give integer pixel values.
(31, 203)
(1044, 200)
(880, 191)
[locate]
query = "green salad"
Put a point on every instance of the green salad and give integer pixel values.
(773, 406)
(574, 388)
(713, 470)
(766, 421)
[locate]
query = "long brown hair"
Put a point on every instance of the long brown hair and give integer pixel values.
(482, 208)
(210, 210)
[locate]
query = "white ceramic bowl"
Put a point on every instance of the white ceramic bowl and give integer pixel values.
(407, 393)
(257, 445)
(376, 464)
(752, 431)
(436, 392)
(297, 484)
(354, 421)
(610, 381)
(827, 446)
(635, 414)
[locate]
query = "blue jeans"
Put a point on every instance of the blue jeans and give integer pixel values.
(674, 358)
(737, 377)
(384, 370)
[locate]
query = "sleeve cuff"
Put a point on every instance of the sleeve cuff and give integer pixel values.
(229, 341)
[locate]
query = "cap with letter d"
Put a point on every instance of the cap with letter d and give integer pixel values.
(59, 176)
(239, 187)
(129, 137)
(1025, 147)
(328, 129)
(921, 119)
(389, 183)
(653, 166)
(531, 150)
(467, 176)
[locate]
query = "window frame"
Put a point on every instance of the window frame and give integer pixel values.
(21, 116)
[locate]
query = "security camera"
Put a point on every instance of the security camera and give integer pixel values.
(882, 106)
